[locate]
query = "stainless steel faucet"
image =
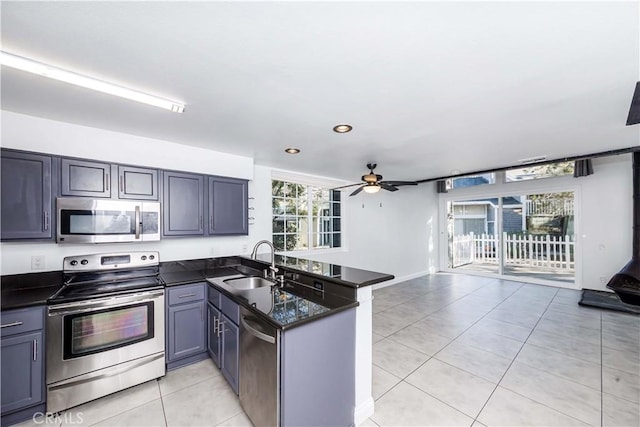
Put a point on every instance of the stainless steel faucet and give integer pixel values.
(273, 269)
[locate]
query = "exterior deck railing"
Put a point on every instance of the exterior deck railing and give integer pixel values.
(546, 251)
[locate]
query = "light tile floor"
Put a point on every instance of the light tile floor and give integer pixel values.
(449, 350)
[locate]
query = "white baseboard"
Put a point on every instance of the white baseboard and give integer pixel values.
(363, 411)
(400, 279)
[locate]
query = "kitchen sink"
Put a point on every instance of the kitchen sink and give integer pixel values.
(245, 283)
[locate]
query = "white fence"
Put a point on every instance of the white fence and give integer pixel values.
(553, 252)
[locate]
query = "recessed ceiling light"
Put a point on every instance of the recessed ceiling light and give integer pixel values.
(55, 73)
(292, 150)
(342, 128)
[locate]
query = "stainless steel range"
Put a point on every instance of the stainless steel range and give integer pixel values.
(105, 327)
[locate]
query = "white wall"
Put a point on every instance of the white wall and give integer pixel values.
(603, 213)
(606, 209)
(393, 233)
(47, 136)
(30, 133)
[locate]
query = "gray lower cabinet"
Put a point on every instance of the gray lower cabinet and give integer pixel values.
(85, 178)
(137, 183)
(317, 372)
(183, 204)
(223, 333)
(26, 196)
(228, 206)
(230, 351)
(185, 325)
(22, 380)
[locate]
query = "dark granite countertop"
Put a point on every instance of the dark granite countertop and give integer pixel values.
(30, 289)
(175, 273)
(346, 276)
(26, 290)
(288, 306)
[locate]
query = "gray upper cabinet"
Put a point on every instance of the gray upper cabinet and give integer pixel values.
(85, 178)
(183, 204)
(137, 183)
(26, 196)
(228, 210)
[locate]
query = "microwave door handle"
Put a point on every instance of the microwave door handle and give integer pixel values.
(137, 220)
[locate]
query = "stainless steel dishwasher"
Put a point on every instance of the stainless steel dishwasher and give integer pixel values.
(259, 370)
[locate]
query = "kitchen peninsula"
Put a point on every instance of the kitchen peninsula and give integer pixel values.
(333, 292)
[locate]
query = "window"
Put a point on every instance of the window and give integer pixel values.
(305, 217)
(471, 181)
(538, 172)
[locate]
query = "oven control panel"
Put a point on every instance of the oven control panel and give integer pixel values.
(111, 261)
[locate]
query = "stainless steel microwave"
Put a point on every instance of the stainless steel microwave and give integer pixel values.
(106, 221)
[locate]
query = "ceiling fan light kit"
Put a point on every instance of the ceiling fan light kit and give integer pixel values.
(371, 188)
(373, 183)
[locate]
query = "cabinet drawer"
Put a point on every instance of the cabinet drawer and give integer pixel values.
(230, 309)
(184, 294)
(22, 320)
(214, 296)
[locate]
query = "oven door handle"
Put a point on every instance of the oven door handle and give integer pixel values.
(88, 306)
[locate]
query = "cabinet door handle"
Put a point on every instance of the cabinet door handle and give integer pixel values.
(220, 327)
(211, 222)
(137, 220)
(8, 325)
(121, 184)
(186, 295)
(106, 181)
(201, 226)
(35, 350)
(215, 325)
(46, 220)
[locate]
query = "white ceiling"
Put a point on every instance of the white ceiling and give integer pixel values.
(429, 87)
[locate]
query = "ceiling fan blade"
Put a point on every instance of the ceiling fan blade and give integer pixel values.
(345, 186)
(359, 189)
(386, 186)
(398, 183)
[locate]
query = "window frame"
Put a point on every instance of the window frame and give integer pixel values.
(312, 221)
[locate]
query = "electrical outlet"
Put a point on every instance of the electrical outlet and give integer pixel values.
(245, 249)
(212, 250)
(603, 280)
(37, 262)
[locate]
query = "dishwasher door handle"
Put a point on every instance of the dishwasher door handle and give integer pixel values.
(255, 332)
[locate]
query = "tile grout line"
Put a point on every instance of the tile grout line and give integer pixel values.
(430, 356)
(164, 413)
(601, 376)
(442, 308)
(513, 360)
(475, 419)
(403, 380)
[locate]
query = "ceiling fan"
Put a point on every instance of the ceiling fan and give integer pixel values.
(373, 183)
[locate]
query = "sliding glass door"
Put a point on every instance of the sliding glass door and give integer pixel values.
(523, 235)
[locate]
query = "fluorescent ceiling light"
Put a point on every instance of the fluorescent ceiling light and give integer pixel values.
(55, 73)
